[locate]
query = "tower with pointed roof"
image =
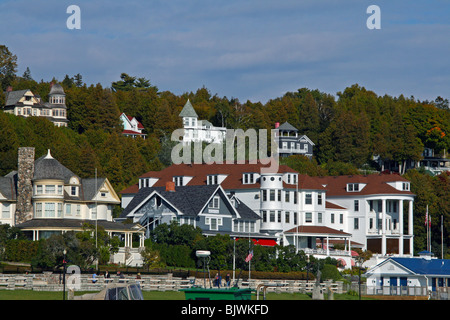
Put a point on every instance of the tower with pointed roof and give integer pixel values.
(199, 130)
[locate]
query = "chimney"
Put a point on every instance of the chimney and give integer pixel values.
(170, 186)
(277, 124)
(25, 172)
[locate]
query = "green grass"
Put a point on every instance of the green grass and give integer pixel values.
(152, 295)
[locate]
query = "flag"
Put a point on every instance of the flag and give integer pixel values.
(249, 256)
(427, 221)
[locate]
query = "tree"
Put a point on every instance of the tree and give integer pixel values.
(8, 67)
(78, 80)
(27, 74)
(151, 258)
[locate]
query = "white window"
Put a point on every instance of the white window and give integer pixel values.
(214, 203)
(308, 217)
(213, 223)
(49, 210)
(60, 208)
(405, 186)
(78, 210)
(38, 213)
(5, 211)
(60, 189)
(93, 209)
(308, 198)
(68, 209)
(352, 187)
(39, 189)
(356, 224)
(50, 189)
(249, 178)
(73, 191)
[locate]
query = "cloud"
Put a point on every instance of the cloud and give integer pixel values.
(245, 49)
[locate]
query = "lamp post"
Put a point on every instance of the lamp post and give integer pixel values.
(64, 274)
(359, 263)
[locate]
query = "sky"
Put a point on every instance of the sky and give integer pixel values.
(249, 49)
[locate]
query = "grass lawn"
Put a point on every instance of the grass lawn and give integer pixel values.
(151, 295)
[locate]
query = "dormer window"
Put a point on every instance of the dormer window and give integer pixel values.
(405, 186)
(74, 191)
(249, 178)
(178, 181)
(213, 179)
(291, 178)
(353, 187)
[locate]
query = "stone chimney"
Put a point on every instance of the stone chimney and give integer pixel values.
(25, 172)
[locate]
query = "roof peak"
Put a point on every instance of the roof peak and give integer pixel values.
(188, 110)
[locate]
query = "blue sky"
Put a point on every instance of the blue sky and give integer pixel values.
(250, 49)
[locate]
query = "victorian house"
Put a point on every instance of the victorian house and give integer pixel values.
(290, 142)
(196, 130)
(44, 198)
(132, 127)
(25, 103)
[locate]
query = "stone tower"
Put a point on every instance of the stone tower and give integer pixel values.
(25, 172)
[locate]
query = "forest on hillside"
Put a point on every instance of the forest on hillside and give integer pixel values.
(348, 128)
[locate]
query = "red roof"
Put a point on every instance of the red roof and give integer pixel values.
(233, 173)
(133, 132)
(374, 184)
(317, 230)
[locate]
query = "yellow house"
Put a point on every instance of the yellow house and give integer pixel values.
(25, 103)
(48, 198)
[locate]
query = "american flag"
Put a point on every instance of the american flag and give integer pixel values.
(249, 256)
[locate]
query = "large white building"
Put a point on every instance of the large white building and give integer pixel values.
(196, 130)
(312, 213)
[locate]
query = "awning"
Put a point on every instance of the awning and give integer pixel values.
(265, 242)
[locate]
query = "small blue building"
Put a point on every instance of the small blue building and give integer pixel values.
(409, 276)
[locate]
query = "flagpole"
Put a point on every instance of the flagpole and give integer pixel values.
(442, 237)
(426, 225)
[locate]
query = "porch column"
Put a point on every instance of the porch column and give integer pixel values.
(400, 222)
(328, 248)
(410, 226)
(383, 227)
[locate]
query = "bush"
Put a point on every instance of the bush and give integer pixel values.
(20, 250)
(330, 272)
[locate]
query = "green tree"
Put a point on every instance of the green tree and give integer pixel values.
(8, 67)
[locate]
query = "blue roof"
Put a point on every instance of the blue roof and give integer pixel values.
(424, 266)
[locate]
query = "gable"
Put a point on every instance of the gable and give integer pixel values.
(390, 267)
(219, 204)
(154, 205)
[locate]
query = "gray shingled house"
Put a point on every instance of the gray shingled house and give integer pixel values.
(205, 206)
